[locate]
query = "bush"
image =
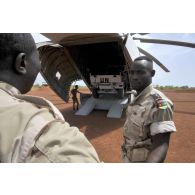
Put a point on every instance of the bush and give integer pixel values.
(36, 85)
(169, 87)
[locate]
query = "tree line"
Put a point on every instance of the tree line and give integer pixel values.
(170, 87)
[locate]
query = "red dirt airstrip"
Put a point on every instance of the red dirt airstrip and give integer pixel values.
(106, 134)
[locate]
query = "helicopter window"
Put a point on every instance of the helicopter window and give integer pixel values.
(58, 75)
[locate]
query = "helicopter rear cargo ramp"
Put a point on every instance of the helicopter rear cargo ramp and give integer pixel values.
(114, 106)
(87, 107)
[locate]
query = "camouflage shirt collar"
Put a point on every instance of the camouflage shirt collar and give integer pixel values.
(144, 93)
(9, 88)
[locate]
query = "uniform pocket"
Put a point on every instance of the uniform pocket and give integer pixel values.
(137, 120)
(139, 154)
(137, 115)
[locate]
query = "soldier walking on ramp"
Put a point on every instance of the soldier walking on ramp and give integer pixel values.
(32, 129)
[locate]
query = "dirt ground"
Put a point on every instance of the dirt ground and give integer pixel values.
(106, 134)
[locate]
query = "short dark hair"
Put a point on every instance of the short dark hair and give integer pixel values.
(143, 58)
(11, 44)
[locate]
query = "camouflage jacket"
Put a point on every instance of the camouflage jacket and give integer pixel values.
(33, 130)
(148, 114)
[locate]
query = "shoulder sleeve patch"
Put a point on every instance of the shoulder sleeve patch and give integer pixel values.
(159, 101)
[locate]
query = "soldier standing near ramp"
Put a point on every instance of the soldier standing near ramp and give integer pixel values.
(32, 129)
(149, 117)
(74, 97)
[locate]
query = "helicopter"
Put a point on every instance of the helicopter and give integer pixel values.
(102, 60)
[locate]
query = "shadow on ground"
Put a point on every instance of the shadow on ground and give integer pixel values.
(94, 125)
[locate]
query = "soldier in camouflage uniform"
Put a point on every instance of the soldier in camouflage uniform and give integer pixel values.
(149, 117)
(75, 100)
(32, 129)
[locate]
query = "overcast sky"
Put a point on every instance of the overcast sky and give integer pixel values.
(179, 60)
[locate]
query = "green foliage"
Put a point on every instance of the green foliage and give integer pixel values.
(170, 87)
(36, 86)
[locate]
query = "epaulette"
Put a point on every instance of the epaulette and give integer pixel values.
(159, 101)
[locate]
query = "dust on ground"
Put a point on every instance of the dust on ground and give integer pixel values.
(106, 134)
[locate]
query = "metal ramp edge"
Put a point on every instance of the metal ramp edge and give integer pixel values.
(116, 109)
(86, 108)
(114, 106)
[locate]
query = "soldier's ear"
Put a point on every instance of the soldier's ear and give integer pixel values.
(153, 72)
(20, 64)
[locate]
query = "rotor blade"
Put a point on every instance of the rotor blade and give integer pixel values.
(154, 59)
(139, 34)
(167, 42)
